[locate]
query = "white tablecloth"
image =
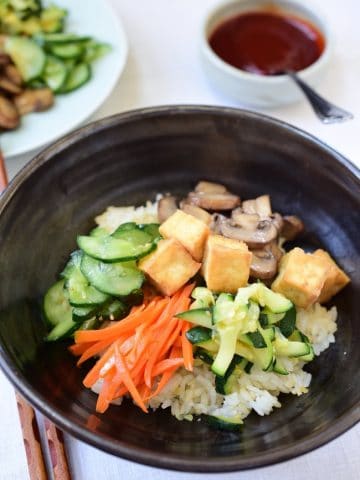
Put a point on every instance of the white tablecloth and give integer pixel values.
(163, 68)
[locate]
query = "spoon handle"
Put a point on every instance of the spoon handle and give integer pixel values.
(326, 111)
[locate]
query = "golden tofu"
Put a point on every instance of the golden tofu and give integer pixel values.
(336, 278)
(226, 264)
(191, 232)
(169, 267)
(301, 277)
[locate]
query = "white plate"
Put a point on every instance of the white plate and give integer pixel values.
(85, 17)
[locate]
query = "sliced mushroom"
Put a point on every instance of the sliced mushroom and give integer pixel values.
(275, 250)
(196, 212)
(277, 220)
(246, 220)
(166, 207)
(216, 220)
(9, 116)
(210, 187)
(13, 74)
(263, 206)
(8, 86)
(249, 207)
(292, 227)
(260, 205)
(213, 201)
(264, 233)
(34, 100)
(263, 264)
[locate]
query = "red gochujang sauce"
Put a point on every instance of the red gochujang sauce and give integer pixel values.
(267, 43)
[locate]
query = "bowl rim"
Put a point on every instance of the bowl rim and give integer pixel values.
(262, 80)
(121, 449)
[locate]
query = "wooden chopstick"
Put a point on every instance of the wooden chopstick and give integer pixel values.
(3, 173)
(31, 437)
(29, 425)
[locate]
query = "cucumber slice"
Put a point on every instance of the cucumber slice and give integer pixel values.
(135, 236)
(77, 77)
(203, 297)
(211, 346)
(204, 356)
(225, 423)
(95, 50)
(255, 339)
(55, 73)
(81, 293)
(248, 367)
(264, 356)
(124, 227)
(198, 316)
(98, 232)
(252, 317)
(275, 302)
(118, 279)
(226, 384)
(244, 351)
(62, 330)
(114, 310)
(198, 335)
(28, 57)
(61, 38)
(67, 50)
(80, 314)
(152, 229)
(286, 348)
(287, 324)
(91, 324)
(309, 356)
(110, 249)
(279, 368)
(56, 304)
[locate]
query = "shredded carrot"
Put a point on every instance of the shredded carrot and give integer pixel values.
(186, 346)
(140, 353)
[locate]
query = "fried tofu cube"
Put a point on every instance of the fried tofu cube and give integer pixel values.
(191, 232)
(336, 278)
(169, 267)
(301, 277)
(226, 264)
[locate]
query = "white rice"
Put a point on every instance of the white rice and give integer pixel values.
(115, 216)
(193, 393)
(319, 325)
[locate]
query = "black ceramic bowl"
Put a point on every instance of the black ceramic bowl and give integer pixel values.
(126, 159)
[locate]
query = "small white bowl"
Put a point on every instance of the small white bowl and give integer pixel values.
(261, 90)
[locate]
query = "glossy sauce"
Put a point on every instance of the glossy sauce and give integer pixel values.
(267, 43)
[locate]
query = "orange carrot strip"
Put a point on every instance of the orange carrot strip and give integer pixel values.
(79, 349)
(172, 339)
(94, 373)
(126, 378)
(103, 399)
(175, 352)
(187, 349)
(175, 305)
(95, 349)
(158, 346)
(123, 326)
(164, 365)
(144, 391)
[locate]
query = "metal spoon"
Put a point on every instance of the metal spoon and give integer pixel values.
(326, 111)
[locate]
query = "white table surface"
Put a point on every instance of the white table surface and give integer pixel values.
(163, 68)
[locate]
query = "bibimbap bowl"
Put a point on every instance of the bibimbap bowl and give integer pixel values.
(126, 160)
